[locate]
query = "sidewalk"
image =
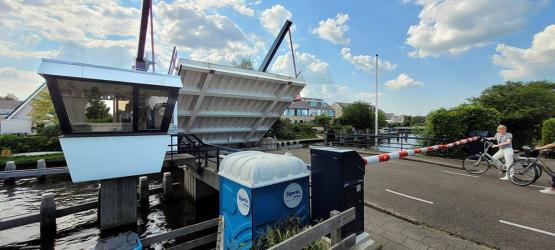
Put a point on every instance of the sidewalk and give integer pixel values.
(395, 233)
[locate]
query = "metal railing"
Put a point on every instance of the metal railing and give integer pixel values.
(204, 153)
(392, 142)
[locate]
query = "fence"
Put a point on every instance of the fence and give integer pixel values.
(203, 153)
(331, 226)
(392, 141)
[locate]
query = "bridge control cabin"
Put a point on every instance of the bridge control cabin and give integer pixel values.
(114, 121)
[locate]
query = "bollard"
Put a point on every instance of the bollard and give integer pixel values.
(336, 234)
(143, 192)
(47, 218)
(10, 166)
(168, 186)
(41, 164)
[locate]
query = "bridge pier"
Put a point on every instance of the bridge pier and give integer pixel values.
(200, 184)
(118, 203)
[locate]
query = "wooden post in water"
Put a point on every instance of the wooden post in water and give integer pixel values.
(10, 166)
(168, 186)
(335, 235)
(118, 203)
(144, 192)
(47, 218)
(41, 164)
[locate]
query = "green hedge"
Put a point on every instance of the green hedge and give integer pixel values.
(548, 131)
(456, 123)
(24, 144)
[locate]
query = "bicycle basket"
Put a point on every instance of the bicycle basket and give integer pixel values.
(530, 153)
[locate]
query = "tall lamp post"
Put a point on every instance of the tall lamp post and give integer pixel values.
(376, 108)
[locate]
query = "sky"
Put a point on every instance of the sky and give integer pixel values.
(432, 53)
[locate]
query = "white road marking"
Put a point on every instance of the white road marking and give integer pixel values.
(537, 186)
(473, 176)
(408, 196)
(529, 228)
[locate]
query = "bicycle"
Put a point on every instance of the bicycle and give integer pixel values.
(480, 163)
(532, 168)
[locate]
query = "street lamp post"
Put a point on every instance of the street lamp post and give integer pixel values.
(376, 108)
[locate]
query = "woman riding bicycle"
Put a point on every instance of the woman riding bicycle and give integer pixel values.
(549, 190)
(505, 145)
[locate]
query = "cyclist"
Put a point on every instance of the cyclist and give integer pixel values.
(505, 145)
(549, 190)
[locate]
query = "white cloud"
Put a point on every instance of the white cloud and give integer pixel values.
(55, 21)
(203, 35)
(366, 62)
(272, 19)
(333, 29)
(455, 26)
(238, 5)
(337, 93)
(18, 82)
(11, 50)
(402, 81)
(313, 69)
(534, 63)
(320, 83)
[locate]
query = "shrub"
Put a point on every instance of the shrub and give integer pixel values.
(24, 144)
(283, 129)
(456, 123)
(284, 230)
(49, 130)
(548, 131)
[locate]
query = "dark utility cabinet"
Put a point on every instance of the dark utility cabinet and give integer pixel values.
(337, 178)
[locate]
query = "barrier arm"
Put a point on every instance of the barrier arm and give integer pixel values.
(404, 153)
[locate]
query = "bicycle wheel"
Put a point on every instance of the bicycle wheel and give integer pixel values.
(523, 175)
(476, 164)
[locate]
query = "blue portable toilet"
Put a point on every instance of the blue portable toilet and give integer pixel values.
(258, 190)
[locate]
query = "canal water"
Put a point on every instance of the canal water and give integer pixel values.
(395, 145)
(79, 231)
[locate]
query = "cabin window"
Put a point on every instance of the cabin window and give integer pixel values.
(152, 106)
(97, 107)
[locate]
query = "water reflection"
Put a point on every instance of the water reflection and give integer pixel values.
(79, 231)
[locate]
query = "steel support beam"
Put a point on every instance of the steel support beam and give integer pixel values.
(275, 46)
(203, 85)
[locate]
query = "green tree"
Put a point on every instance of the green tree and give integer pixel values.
(523, 106)
(322, 120)
(284, 129)
(43, 112)
(9, 97)
(244, 63)
(548, 131)
(96, 110)
(360, 115)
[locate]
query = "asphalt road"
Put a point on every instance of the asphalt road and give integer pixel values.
(481, 208)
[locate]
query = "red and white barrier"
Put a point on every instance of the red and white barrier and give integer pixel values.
(404, 153)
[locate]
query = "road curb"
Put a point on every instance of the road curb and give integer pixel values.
(416, 222)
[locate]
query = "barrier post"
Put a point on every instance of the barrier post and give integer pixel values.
(41, 164)
(168, 186)
(10, 166)
(47, 217)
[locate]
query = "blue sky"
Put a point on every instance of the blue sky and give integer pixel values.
(433, 53)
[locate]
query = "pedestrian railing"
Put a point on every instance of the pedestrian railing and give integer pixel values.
(389, 141)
